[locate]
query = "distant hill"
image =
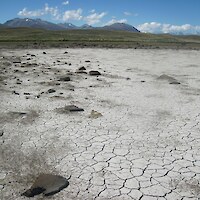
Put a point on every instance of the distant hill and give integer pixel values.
(67, 26)
(120, 26)
(41, 24)
(86, 26)
(32, 23)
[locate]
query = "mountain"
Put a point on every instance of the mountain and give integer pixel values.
(32, 23)
(86, 26)
(120, 26)
(2, 26)
(38, 23)
(68, 26)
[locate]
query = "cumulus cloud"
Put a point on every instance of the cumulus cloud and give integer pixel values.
(155, 27)
(72, 15)
(40, 12)
(65, 2)
(112, 21)
(94, 18)
(32, 13)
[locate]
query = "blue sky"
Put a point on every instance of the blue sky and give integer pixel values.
(146, 15)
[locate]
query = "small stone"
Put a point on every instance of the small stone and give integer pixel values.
(1, 133)
(81, 72)
(94, 114)
(47, 184)
(94, 73)
(69, 108)
(66, 78)
(51, 91)
(175, 83)
(14, 92)
(87, 61)
(82, 68)
(26, 93)
(44, 52)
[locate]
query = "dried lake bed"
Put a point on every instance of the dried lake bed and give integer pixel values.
(136, 135)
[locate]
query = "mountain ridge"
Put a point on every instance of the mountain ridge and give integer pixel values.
(39, 23)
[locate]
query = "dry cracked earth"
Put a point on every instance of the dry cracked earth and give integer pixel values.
(137, 138)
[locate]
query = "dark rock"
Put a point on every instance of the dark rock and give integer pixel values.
(28, 59)
(1, 133)
(26, 93)
(33, 55)
(87, 61)
(14, 92)
(175, 83)
(44, 52)
(81, 72)
(70, 64)
(94, 73)
(66, 78)
(51, 91)
(65, 52)
(143, 81)
(70, 108)
(82, 68)
(47, 184)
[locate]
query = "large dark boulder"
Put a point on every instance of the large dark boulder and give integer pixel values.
(48, 184)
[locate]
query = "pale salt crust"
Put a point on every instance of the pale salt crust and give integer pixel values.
(144, 146)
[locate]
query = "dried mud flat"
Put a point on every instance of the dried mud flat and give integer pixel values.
(136, 136)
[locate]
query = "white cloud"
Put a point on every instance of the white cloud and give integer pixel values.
(65, 3)
(130, 14)
(26, 13)
(155, 27)
(72, 15)
(127, 13)
(40, 12)
(92, 11)
(51, 10)
(112, 21)
(94, 18)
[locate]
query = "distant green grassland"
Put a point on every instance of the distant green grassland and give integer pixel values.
(27, 38)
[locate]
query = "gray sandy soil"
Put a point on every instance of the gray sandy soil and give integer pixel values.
(137, 138)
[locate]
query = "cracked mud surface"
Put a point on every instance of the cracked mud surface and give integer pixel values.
(145, 145)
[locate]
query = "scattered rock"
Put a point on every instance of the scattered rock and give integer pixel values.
(94, 73)
(65, 52)
(44, 52)
(142, 81)
(94, 114)
(82, 68)
(175, 83)
(87, 61)
(69, 108)
(47, 184)
(1, 133)
(32, 55)
(51, 91)
(14, 92)
(81, 72)
(66, 78)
